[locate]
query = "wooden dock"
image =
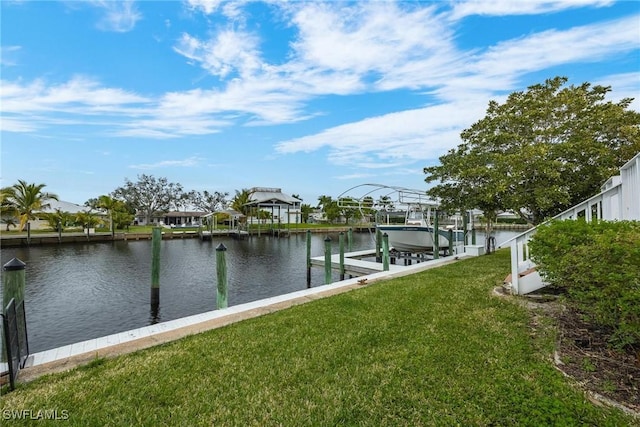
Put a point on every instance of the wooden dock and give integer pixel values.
(209, 234)
(354, 265)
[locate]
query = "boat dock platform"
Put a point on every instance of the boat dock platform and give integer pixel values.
(354, 265)
(209, 234)
(362, 263)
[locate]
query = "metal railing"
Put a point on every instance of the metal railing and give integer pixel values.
(14, 324)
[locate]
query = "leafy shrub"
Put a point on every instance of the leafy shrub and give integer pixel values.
(599, 265)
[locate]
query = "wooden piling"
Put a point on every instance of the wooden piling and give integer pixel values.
(465, 227)
(327, 260)
(308, 258)
(341, 240)
(436, 236)
(221, 268)
(156, 240)
(385, 252)
(13, 282)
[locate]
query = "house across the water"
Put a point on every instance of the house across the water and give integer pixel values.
(282, 208)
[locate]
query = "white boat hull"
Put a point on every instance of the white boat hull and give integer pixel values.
(415, 238)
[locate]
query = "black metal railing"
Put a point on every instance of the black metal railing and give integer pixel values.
(14, 324)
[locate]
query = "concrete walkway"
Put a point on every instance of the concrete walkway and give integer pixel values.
(73, 355)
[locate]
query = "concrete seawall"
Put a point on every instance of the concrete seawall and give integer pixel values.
(54, 239)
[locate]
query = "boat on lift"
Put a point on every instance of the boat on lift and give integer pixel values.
(416, 234)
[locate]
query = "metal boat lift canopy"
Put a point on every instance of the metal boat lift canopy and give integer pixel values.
(359, 196)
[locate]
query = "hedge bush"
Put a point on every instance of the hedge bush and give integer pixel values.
(599, 265)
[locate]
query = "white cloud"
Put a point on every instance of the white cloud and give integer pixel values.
(205, 6)
(38, 104)
(366, 47)
(184, 163)
(225, 53)
(588, 43)
(427, 133)
(367, 37)
(528, 7)
(6, 53)
(230, 9)
(391, 140)
(120, 16)
(77, 92)
(9, 124)
(626, 85)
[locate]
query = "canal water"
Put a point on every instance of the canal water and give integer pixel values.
(76, 292)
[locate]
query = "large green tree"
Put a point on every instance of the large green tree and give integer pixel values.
(28, 200)
(329, 207)
(208, 202)
(150, 195)
(306, 211)
(120, 215)
(540, 152)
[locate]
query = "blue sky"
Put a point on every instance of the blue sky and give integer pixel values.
(310, 97)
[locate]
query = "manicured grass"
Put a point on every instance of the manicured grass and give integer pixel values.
(435, 348)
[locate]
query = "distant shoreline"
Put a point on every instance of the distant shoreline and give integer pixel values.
(53, 238)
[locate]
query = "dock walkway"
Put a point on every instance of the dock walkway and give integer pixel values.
(354, 265)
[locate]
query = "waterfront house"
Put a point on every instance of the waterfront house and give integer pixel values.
(283, 208)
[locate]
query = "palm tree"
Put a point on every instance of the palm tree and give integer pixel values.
(29, 199)
(239, 202)
(87, 219)
(58, 219)
(109, 204)
(8, 211)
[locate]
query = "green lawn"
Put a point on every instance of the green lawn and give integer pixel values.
(434, 348)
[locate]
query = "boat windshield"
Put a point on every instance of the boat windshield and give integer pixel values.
(416, 217)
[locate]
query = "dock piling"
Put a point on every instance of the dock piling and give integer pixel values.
(156, 240)
(385, 252)
(436, 236)
(465, 227)
(341, 240)
(308, 258)
(221, 268)
(13, 282)
(327, 260)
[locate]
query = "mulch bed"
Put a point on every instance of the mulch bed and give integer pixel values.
(583, 353)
